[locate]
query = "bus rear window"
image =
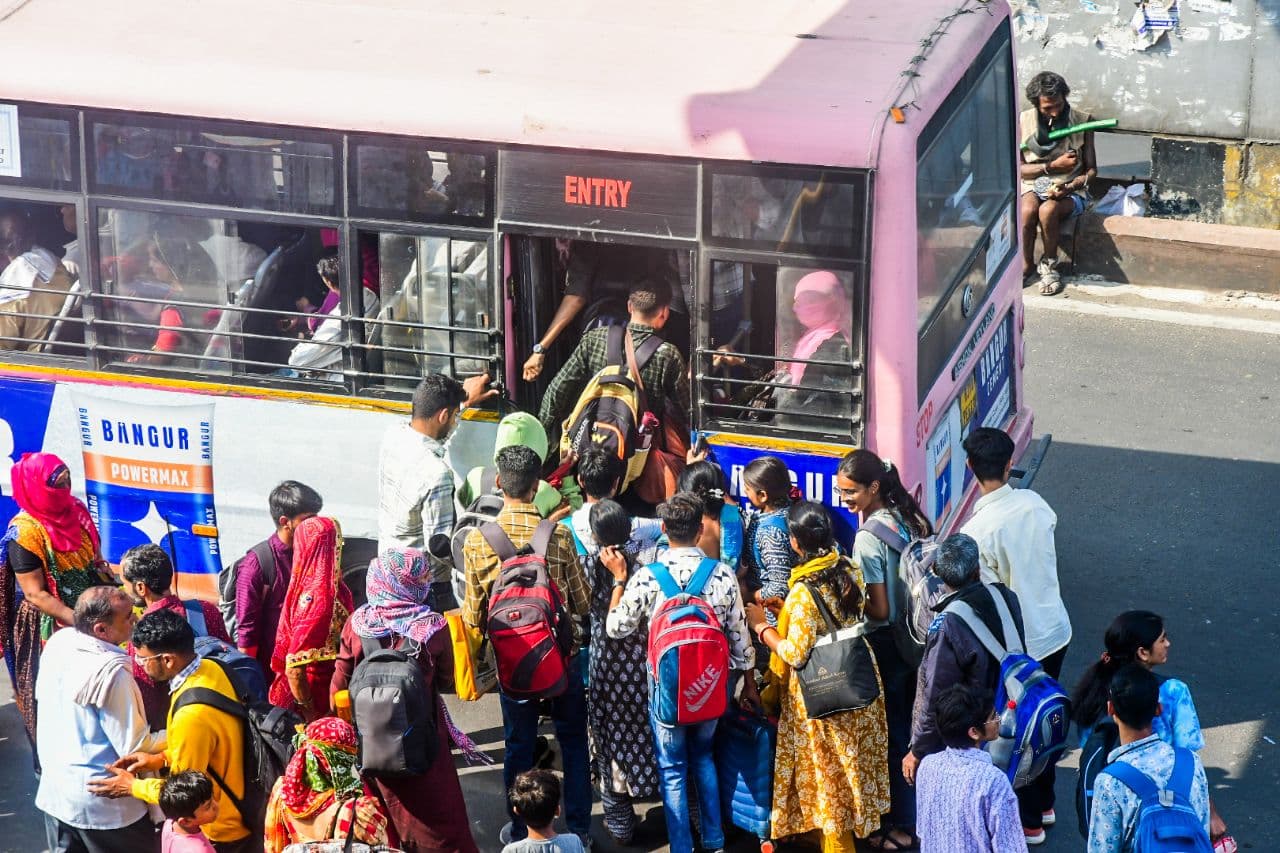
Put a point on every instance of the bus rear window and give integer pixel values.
(212, 163)
(821, 213)
(420, 182)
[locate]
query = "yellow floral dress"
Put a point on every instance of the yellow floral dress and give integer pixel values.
(830, 774)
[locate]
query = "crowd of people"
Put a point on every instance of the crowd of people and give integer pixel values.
(138, 718)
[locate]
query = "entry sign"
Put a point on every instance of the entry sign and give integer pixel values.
(599, 193)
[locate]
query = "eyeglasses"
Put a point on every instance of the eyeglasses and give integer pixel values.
(844, 494)
(145, 658)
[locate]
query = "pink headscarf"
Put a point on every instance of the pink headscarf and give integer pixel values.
(58, 511)
(822, 307)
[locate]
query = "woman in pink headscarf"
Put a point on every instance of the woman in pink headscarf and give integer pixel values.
(825, 310)
(48, 556)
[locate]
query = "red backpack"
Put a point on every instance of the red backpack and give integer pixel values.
(688, 651)
(527, 624)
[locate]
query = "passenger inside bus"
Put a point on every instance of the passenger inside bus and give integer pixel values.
(319, 356)
(177, 271)
(33, 285)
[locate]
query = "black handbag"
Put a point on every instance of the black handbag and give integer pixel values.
(840, 674)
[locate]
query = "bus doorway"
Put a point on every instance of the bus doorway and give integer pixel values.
(558, 289)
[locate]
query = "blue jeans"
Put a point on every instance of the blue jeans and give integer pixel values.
(569, 715)
(681, 750)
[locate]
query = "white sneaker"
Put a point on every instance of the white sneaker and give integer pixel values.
(1049, 818)
(1034, 837)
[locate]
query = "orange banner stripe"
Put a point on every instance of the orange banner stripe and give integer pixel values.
(156, 476)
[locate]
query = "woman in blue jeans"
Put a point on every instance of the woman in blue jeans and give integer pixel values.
(871, 487)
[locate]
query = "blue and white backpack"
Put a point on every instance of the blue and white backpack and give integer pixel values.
(1041, 706)
(1166, 821)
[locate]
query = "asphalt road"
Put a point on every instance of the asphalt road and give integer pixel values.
(1163, 472)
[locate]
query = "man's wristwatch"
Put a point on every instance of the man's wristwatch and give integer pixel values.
(619, 584)
(539, 349)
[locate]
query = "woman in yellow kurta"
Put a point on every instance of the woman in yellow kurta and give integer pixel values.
(830, 775)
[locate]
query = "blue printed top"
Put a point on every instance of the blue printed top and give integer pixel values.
(1178, 724)
(1115, 807)
(768, 556)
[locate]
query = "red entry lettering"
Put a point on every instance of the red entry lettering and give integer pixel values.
(596, 192)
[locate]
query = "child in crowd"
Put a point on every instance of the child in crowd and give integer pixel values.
(188, 804)
(599, 474)
(963, 801)
(722, 526)
(767, 555)
(1138, 636)
(535, 797)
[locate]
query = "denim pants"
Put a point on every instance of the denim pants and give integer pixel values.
(683, 750)
(569, 716)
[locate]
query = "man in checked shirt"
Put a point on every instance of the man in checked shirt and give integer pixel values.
(519, 469)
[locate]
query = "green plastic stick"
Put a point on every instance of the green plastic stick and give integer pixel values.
(1100, 124)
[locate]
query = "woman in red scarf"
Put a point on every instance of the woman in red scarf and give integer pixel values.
(49, 555)
(316, 606)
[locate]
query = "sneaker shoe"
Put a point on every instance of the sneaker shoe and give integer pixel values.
(1034, 836)
(1049, 818)
(504, 834)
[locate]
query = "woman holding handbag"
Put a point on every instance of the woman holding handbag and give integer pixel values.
(831, 774)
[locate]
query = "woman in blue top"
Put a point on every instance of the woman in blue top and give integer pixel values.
(871, 487)
(767, 556)
(1138, 636)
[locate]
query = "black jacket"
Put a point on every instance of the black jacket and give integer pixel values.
(953, 655)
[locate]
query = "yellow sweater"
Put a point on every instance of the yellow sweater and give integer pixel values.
(200, 738)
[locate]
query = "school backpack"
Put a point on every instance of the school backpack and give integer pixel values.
(248, 671)
(1041, 707)
(1103, 738)
(1166, 821)
(268, 746)
(227, 582)
(611, 408)
(483, 509)
(527, 623)
(924, 589)
(393, 710)
(688, 651)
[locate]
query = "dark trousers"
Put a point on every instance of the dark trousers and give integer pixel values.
(1037, 798)
(138, 837)
(899, 680)
(569, 716)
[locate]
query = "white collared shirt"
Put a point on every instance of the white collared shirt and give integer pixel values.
(415, 491)
(76, 742)
(1014, 531)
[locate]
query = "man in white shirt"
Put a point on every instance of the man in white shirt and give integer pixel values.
(415, 483)
(33, 286)
(1014, 531)
(91, 714)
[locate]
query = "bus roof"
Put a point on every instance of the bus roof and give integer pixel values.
(769, 80)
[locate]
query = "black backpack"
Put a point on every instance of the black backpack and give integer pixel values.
(394, 711)
(268, 746)
(227, 582)
(1103, 737)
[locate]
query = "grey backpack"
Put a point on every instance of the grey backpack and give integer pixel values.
(924, 588)
(394, 711)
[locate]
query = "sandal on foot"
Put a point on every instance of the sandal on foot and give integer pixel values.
(883, 840)
(1051, 283)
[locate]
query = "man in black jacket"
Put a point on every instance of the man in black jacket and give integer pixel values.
(952, 654)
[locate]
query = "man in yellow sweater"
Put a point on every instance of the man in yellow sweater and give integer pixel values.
(199, 737)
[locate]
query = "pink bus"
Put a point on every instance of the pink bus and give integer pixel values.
(832, 184)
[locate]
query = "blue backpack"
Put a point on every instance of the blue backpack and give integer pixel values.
(247, 672)
(1166, 821)
(1041, 706)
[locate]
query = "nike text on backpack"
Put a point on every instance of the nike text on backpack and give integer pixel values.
(227, 582)
(688, 651)
(268, 746)
(393, 710)
(248, 673)
(1166, 821)
(924, 588)
(1040, 704)
(610, 409)
(527, 623)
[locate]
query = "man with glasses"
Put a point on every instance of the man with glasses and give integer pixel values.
(91, 715)
(200, 737)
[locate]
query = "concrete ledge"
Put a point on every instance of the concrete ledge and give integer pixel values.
(1177, 253)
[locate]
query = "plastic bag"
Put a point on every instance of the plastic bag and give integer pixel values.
(1123, 201)
(474, 671)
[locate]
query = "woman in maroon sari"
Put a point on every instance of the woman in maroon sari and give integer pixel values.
(316, 606)
(48, 556)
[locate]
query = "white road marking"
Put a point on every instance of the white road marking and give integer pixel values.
(1154, 315)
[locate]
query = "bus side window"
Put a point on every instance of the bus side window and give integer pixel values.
(782, 341)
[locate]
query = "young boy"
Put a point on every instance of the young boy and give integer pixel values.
(535, 798)
(963, 802)
(187, 801)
